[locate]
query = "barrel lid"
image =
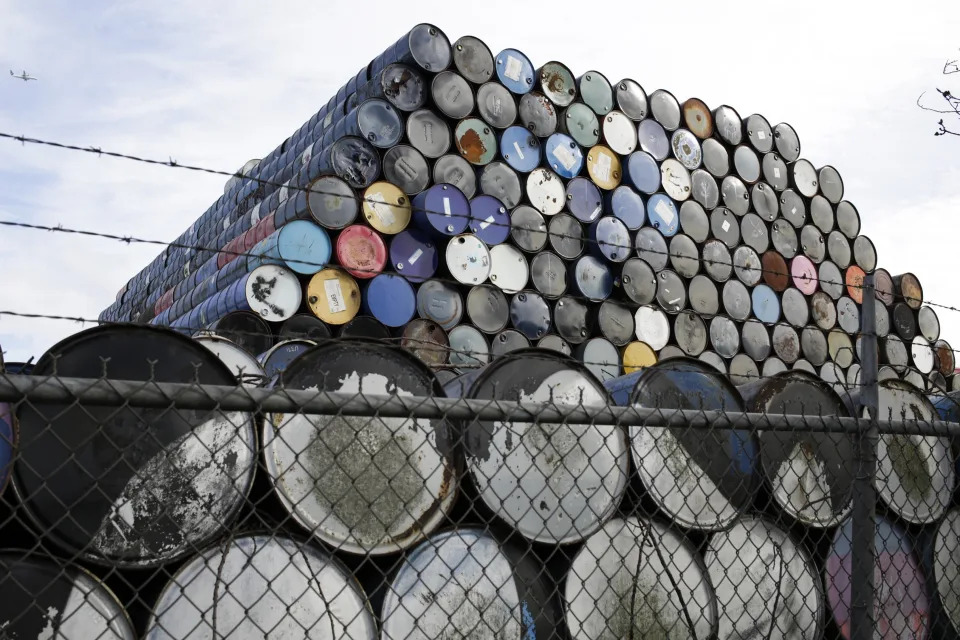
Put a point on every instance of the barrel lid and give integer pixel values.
(489, 220)
(244, 366)
(717, 261)
(566, 236)
(804, 275)
(427, 340)
(468, 347)
(386, 207)
(246, 329)
(662, 214)
(41, 594)
(332, 203)
(273, 292)
(643, 172)
(703, 295)
(737, 302)
(697, 118)
(537, 114)
(528, 229)
(583, 200)
(67, 454)
(515, 71)
(487, 308)
(601, 357)
(786, 343)
(652, 327)
(573, 319)
(821, 213)
(638, 281)
(922, 355)
(628, 206)
(604, 168)
(598, 479)
(420, 468)
(909, 289)
(784, 238)
(724, 336)
(793, 208)
(391, 299)
(803, 177)
(631, 99)
(883, 285)
(830, 279)
(775, 171)
(615, 321)
(428, 133)
(765, 201)
(549, 274)
(787, 141)
(620, 133)
(473, 59)
(442, 209)
(848, 315)
(684, 255)
(744, 550)
(564, 155)
(380, 123)
(716, 158)
(613, 239)
(928, 323)
(440, 302)
(530, 314)
(475, 141)
(468, 259)
(841, 348)
(724, 226)
(746, 163)
(694, 221)
(665, 109)
(671, 292)
(848, 219)
(652, 247)
(728, 124)
(406, 167)
(580, 122)
(736, 197)
(453, 169)
(637, 356)
(704, 189)
(361, 251)
(554, 342)
(333, 296)
(508, 268)
(355, 160)
(754, 231)
(557, 82)
(496, 105)
(414, 255)
(452, 94)
(545, 190)
(303, 325)
(831, 184)
(774, 271)
(653, 139)
(838, 249)
(675, 179)
(596, 92)
(277, 358)
(795, 306)
(690, 333)
(755, 338)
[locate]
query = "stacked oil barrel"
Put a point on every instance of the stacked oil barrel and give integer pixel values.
(469, 204)
(168, 522)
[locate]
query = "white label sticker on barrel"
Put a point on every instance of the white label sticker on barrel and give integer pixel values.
(416, 256)
(486, 223)
(776, 172)
(761, 135)
(514, 68)
(516, 145)
(596, 212)
(725, 226)
(446, 207)
(665, 211)
(254, 215)
(382, 209)
(334, 296)
(564, 156)
(602, 168)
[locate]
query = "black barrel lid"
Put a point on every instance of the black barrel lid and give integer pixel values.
(427, 340)
(638, 281)
(507, 341)
(652, 248)
(473, 59)
(554, 342)
(530, 314)
(487, 308)
(68, 454)
(573, 320)
(528, 228)
(904, 322)
(671, 291)
(247, 330)
(304, 325)
(566, 236)
(549, 274)
(690, 333)
(406, 167)
(616, 322)
(365, 327)
(684, 255)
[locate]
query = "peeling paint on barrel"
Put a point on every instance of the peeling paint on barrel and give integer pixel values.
(365, 485)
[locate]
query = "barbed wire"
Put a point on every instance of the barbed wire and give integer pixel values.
(173, 164)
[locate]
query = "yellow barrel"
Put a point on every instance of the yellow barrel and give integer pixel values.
(333, 296)
(386, 208)
(604, 167)
(638, 355)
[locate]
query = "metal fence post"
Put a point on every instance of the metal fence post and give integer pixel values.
(862, 620)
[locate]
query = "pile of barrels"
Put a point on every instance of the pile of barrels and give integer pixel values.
(179, 523)
(468, 204)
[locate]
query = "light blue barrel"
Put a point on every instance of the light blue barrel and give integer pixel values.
(301, 245)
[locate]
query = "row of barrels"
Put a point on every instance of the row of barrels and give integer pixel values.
(644, 515)
(473, 211)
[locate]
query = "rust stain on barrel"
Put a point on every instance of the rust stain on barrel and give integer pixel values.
(553, 81)
(472, 146)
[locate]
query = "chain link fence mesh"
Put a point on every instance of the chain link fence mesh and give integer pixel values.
(531, 507)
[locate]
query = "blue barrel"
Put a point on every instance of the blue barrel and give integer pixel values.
(376, 121)
(627, 205)
(520, 148)
(276, 359)
(301, 245)
(352, 159)
(425, 46)
(662, 214)
(489, 220)
(414, 255)
(564, 155)
(515, 71)
(702, 479)
(610, 239)
(442, 209)
(901, 599)
(441, 302)
(402, 85)
(390, 299)
(584, 200)
(592, 278)
(766, 304)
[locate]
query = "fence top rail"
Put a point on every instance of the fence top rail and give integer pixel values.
(15, 388)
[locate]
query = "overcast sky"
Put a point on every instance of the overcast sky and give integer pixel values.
(218, 83)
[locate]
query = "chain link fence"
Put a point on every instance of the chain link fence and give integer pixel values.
(356, 498)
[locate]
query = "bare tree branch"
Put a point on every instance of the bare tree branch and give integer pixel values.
(952, 103)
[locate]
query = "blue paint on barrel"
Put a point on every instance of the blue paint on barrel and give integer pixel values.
(592, 278)
(584, 200)
(414, 255)
(627, 205)
(663, 215)
(564, 155)
(610, 239)
(301, 245)
(441, 209)
(515, 71)
(489, 220)
(276, 359)
(724, 463)
(643, 172)
(947, 406)
(766, 305)
(520, 148)
(390, 299)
